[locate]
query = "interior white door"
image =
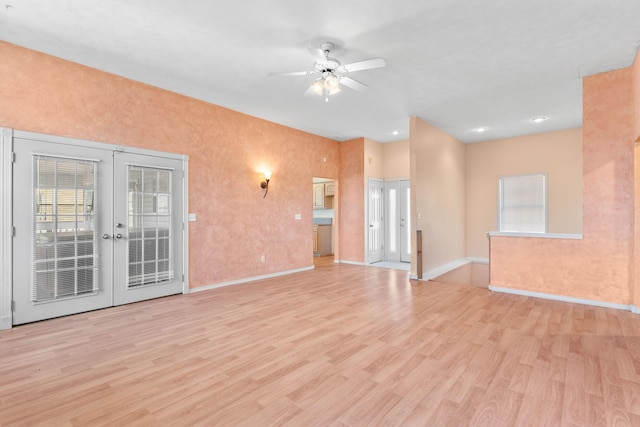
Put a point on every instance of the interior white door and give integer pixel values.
(376, 221)
(94, 227)
(61, 263)
(148, 224)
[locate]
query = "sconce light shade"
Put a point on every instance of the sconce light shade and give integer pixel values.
(265, 184)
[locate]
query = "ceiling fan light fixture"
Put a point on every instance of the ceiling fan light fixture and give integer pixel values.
(318, 86)
(331, 83)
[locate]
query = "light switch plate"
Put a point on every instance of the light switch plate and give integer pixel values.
(298, 217)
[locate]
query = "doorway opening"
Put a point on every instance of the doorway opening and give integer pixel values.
(388, 223)
(325, 205)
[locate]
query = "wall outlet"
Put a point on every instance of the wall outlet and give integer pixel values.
(298, 217)
(192, 217)
(262, 258)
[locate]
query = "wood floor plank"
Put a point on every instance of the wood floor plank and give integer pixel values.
(340, 345)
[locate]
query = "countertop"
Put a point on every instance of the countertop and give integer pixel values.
(322, 221)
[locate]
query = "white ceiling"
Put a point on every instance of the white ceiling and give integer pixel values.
(458, 64)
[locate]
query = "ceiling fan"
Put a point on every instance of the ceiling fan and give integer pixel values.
(332, 73)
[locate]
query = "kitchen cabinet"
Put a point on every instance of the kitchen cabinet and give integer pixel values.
(323, 195)
(330, 189)
(318, 196)
(323, 240)
(315, 239)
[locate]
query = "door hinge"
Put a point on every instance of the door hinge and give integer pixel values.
(13, 306)
(183, 278)
(13, 232)
(13, 157)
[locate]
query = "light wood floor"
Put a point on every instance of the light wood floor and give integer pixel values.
(340, 345)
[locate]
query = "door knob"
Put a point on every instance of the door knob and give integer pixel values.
(106, 236)
(118, 236)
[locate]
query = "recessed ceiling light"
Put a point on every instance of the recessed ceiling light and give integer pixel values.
(539, 119)
(481, 129)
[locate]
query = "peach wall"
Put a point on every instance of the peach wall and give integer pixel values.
(373, 160)
(235, 225)
(636, 97)
(557, 154)
(635, 71)
(599, 267)
(397, 162)
(438, 182)
(351, 214)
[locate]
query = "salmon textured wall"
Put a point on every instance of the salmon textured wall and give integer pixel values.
(226, 149)
(636, 97)
(635, 70)
(352, 201)
(598, 267)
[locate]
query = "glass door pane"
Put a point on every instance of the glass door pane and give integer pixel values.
(65, 253)
(149, 226)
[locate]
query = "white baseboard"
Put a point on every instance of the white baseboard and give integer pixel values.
(479, 260)
(342, 261)
(444, 268)
(250, 279)
(626, 307)
(6, 322)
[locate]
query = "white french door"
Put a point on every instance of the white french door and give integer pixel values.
(148, 227)
(397, 221)
(94, 226)
(376, 221)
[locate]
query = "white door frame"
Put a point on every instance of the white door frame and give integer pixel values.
(6, 221)
(405, 217)
(6, 208)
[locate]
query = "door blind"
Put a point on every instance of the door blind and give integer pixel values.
(150, 252)
(64, 249)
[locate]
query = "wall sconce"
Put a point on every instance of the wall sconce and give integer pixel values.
(265, 184)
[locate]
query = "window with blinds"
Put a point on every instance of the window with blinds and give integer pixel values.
(65, 253)
(523, 204)
(149, 226)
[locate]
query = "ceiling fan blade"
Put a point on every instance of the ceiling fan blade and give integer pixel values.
(318, 55)
(364, 65)
(294, 73)
(352, 84)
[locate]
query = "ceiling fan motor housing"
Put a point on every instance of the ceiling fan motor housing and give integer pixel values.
(330, 65)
